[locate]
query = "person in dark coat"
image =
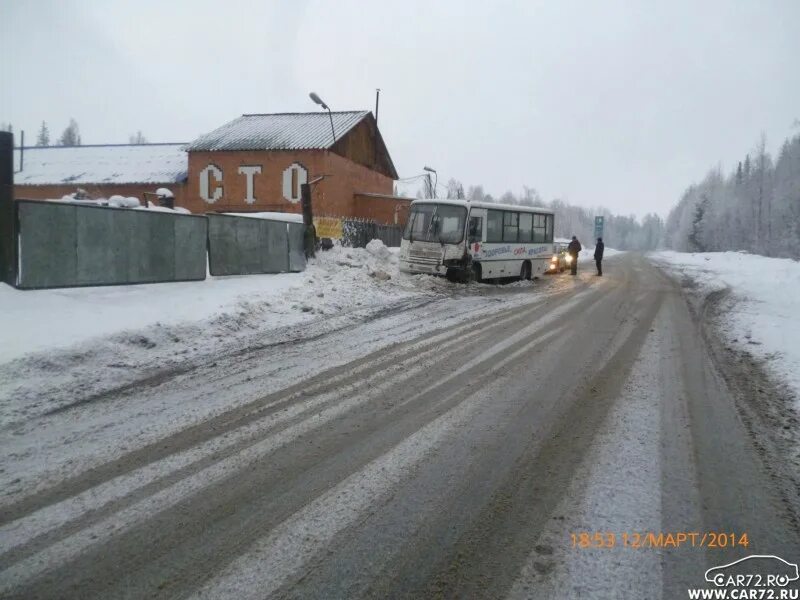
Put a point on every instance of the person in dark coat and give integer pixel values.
(574, 249)
(598, 256)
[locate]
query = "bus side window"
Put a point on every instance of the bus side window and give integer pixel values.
(475, 229)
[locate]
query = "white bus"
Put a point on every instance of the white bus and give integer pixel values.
(476, 240)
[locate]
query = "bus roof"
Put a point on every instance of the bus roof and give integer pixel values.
(494, 205)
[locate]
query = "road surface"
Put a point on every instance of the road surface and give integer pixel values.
(457, 463)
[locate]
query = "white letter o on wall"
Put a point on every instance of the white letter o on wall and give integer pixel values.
(293, 177)
(205, 184)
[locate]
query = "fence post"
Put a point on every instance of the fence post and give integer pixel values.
(8, 218)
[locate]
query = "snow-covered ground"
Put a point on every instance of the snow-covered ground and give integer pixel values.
(764, 320)
(64, 346)
(33, 321)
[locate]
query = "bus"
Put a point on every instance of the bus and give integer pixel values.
(478, 241)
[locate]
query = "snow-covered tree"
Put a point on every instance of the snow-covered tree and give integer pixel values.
(43, 138)
(71, 135)
(455, 189)
(475, 193)
(755, 208)
(138, 138)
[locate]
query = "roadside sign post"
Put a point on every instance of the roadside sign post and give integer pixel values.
(598, 227)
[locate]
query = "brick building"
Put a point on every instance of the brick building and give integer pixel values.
(253, 163)
(257, 162)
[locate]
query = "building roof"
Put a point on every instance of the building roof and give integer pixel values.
(280, 131)
(106, 164)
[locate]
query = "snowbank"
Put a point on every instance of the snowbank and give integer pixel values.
(38, 320)
(273, 216)
(765, 321)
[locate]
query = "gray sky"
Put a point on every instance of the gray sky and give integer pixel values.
(613, 103)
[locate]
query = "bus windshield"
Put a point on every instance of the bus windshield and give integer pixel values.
(436, 223)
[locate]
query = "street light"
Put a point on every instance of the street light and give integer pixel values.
(318, 100)
(431, 170)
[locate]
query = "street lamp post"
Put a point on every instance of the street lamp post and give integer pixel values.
(431, 170)
(318, 100)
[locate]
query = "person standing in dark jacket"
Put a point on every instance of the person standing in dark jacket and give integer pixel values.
(598, 256)
(574, 249)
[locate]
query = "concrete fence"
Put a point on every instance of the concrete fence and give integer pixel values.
(68, 245)
(248, 245)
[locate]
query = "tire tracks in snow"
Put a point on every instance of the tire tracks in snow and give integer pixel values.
(438, 346)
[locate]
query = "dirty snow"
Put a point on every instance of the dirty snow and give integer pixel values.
(764, 320)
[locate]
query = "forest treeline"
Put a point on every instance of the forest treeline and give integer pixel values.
(755, 208)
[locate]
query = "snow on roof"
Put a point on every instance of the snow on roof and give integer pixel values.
(281, 131)
(107, 164)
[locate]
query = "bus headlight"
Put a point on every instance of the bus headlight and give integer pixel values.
(568, 258)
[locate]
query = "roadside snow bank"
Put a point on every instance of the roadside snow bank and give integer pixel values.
(43, 320)
(765, 320)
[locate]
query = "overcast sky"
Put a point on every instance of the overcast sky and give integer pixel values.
(620, 104)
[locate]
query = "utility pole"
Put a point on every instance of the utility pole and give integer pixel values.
(8, 218)
(310, 232)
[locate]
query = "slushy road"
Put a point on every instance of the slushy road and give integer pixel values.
(457, 463)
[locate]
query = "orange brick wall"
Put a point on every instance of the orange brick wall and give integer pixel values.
(387, 211)
(56, 192)
(334, 196)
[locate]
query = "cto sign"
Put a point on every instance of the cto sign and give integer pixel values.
(211, 178)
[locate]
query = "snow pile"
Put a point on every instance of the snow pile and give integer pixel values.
(122, 202)
(37, 320)
(377, 249)
(156, 208)
(272, 216)
(765, 320)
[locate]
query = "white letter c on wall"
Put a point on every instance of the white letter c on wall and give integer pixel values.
(205, 184)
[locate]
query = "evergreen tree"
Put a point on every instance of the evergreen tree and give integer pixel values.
(43, 139)
(697, 225)
(71, 135)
